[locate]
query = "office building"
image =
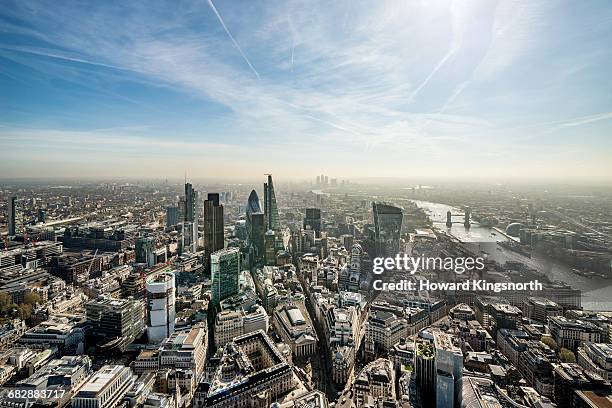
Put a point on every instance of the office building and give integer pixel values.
(540, 309)
(425, 369)
(225, 268)
(312, 399)
(190, 219)
(570, 380)
(462, 312)
(213, 226)
(342, 335)
(62, 377)
(386, 324)
(375, 385)
(312, 221)
(185, 350)
(105, 389)
(596, 357)
(115, 322)
(270, 248)
(570, 333)
(270, 206)
(252, 372)
(236, 321)
(145, 250)
(387, 228)
(256, 228)
(535, 366)
(233, 323)
(42, 215)
(11, 216)
(160, 292)
(449, 367)
(172, 216)
(66, 334)
(496, 313)
(350, 275)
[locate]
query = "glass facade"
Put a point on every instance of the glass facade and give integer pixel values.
(388, 228)
(224, 268)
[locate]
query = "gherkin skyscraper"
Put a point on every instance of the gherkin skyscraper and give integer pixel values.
(270, 206)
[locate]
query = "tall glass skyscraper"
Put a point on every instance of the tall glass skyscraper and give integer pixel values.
(190, 219)
(224, 269)
(256, 229)
(312, 220)
(214, 239)
(270, 206)
(11, 215)
(387, 227)
(172, 216)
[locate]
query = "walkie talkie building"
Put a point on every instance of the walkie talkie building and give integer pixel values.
(388, 228)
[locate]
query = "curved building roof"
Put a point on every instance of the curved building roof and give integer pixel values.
(253, 205)
(514, 228)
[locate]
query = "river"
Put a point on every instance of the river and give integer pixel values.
(596, 291)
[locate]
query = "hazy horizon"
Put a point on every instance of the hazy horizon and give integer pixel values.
(474, 91)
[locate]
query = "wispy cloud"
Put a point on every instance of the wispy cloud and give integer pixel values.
(49, 54)
(227, 31)
(379, 80)
(588, 119)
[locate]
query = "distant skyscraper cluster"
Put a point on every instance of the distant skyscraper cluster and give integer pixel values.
(324, 181)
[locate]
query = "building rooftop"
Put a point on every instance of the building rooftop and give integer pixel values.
(101, 379)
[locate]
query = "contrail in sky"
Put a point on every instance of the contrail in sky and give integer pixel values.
(214, 9)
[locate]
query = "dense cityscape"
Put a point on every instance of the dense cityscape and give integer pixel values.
(305, 204)
(160, 294)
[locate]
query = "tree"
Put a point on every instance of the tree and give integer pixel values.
(25, 311)
(31, 298)
(5, 302)
(567, 356)
(549, 341)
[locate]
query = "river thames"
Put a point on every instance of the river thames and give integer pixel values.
(596, 291)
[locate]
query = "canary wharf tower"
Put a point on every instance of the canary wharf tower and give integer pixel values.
(270, 206)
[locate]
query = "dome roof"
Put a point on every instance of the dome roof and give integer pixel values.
(253, 205)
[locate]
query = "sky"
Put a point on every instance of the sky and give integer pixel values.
(409, 89)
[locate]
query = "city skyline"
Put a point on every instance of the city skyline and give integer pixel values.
(497, 91)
